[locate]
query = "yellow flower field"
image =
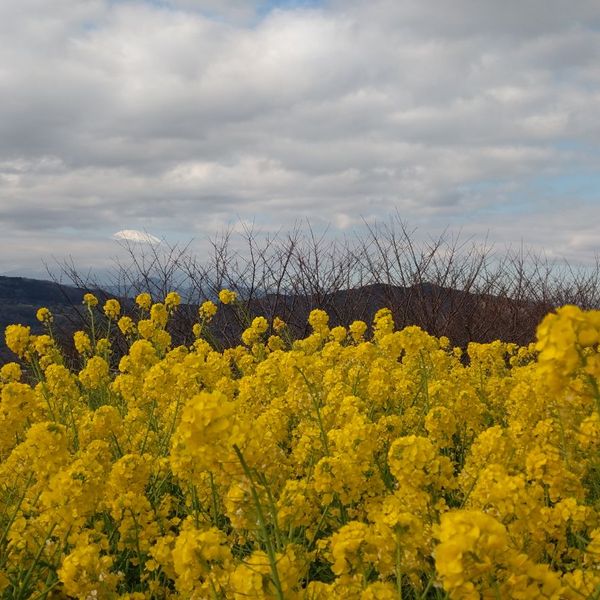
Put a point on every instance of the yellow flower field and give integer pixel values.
(360, 463)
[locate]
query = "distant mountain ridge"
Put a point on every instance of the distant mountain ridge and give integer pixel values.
(462, 316)
(20, 298)
(23, 290)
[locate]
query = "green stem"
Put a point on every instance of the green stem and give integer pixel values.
(321, 521)
(263, 481)
(92, 327)
(313, 397)
(263, 525)
(398, 571)
(23, 585)
(215, 500)
(16, 511)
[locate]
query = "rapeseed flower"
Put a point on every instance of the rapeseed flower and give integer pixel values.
(144, 301)
(207, 310)
(43, 315)
(18, 338)
(227, 296)
(344, 465)
(172, 301)
(82, 342)
(112, 308)
(90, 300)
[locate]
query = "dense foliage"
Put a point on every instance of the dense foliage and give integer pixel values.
(354, 463)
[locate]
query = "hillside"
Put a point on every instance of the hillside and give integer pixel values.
(461, 316)
(20, 298)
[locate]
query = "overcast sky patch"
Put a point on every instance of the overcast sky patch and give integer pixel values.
(182, 116)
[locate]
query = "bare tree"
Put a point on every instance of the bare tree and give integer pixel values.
(448, 285)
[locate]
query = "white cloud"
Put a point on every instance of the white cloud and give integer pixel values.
(180, 116)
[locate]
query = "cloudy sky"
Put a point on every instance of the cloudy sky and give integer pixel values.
(181, 117)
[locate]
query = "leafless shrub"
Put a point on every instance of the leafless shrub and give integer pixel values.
(450, 286)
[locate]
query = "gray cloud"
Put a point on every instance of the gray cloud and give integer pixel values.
(178, 117)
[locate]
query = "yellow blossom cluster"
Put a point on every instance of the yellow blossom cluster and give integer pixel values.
(362, 462)
(227, 296)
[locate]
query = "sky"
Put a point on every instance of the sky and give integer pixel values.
(180, 118)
